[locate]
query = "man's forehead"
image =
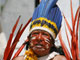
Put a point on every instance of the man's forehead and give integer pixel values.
(37, 30)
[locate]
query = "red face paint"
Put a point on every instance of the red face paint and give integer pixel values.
(40, 42)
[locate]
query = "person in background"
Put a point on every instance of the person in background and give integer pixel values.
(45, 25)
(3, 43)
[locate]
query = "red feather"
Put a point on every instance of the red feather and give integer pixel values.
(10, 48)
(67, 54)
(7, 49)
(20, 49)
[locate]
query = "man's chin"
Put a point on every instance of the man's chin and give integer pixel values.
(40, 52)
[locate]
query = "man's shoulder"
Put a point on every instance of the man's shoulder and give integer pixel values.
(59, 57)
(19, 58)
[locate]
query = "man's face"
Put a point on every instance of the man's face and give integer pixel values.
(40, 42)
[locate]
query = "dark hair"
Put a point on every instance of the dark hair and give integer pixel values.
(36, 3)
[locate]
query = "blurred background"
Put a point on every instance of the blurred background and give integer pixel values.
(11, 9)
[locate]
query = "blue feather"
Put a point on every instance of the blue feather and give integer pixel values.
(49, 10)
(45, 7)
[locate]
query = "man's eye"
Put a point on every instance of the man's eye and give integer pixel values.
(35, 33)
(45, 34)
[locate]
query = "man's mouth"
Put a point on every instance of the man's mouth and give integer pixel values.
(38, 47)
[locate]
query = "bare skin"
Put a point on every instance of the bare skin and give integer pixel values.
(19, 58)
(58, 57)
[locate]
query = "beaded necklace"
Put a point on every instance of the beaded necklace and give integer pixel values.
(29, 55)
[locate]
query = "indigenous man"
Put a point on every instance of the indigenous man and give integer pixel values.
(45, 25)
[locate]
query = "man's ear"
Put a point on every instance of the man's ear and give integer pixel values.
(52, 45)
(53, 42)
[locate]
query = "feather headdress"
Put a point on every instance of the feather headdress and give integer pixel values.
(47, 16)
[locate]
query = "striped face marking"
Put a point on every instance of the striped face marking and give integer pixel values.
(40, 41)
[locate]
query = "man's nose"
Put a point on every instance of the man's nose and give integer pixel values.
(40, 36)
